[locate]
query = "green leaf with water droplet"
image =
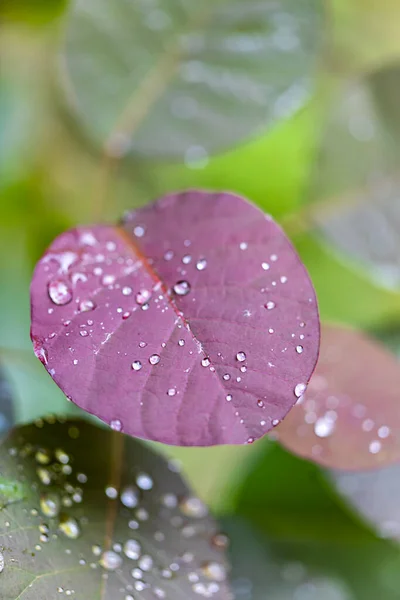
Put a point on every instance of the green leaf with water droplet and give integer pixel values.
(102, 517)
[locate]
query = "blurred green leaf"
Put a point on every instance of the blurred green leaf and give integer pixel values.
(272, 170)
(364, 34)
(287, 497)
(357, 179)
(344, 293)
(38, 12)
(190, 77)
(264, 568)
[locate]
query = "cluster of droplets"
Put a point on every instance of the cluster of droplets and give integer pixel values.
(62, 513)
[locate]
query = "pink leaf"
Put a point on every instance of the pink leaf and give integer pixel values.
(193, 323)
(349, 418)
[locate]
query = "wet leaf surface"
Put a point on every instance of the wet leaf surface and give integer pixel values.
(188, 77)
(102, 516)
(193, 323)
(349, 418)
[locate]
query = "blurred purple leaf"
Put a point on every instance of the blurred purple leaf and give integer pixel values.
(193, 323)
(349, 418)
(189, 77)
(94, 514)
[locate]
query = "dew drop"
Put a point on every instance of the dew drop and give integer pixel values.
(324, 427)
(243, 245)
(2, 562)
(146, 562)
(86, 305)
(144, 481)
(241, 356)
(111, 492)
(228, 397)
(181, 342)
(383, 432)
(260, 403)
(270, 305)
(169, 255)
(126, 290)
(69, 527)
(129, 497)
(265, 266)
(139, 231)
(299, 389)
(201, 264)
(186, 259)
(205, 362)
(226, 377)
(182, 288)
(132, 549)
(108, 280)
(154, 359)
(59, 292)
(83, 333)
(171, 392)
(142, 297)
(136, 365)
(50, 505)
(215, 571)
(193, 507)
(116, 425)
(110, 560)
(299, 349)
(375, 447)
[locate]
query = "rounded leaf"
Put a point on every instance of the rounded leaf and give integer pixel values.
(96, 515)
(190, 76)
(193, 323)
(349, 418)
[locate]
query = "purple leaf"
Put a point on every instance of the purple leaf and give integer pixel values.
(193, 323)
(96, 515)
(349, 418)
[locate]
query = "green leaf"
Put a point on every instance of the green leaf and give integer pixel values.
(102, 517)
(286, 496)
(267, 569)
(190, 77)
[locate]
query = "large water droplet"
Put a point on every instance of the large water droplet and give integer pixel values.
(182, 288)
(299, 389)
(59, 292)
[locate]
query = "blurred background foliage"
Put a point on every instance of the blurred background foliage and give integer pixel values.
(328, 173)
